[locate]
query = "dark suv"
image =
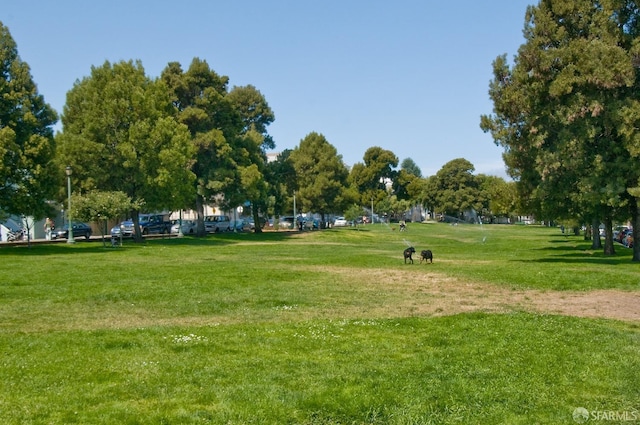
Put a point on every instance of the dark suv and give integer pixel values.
(149, 223)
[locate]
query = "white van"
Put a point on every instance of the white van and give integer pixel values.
(217, 223)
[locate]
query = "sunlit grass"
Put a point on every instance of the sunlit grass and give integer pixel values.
(315, 328)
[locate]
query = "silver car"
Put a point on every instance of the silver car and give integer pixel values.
(189, 227)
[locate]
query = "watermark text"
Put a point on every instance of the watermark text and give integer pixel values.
(582, 415)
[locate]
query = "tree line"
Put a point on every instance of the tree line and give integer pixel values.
(567, 113)
(185, 140)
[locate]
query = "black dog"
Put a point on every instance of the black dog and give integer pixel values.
(426, 255)
(407, 254)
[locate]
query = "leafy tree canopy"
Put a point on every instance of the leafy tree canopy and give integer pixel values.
(564, 111)
(28, 177)
(455, 189)
(411, 167)
(321, 174)
(371, 177)
(119, 134)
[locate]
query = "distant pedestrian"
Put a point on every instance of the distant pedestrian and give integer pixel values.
(48, 228)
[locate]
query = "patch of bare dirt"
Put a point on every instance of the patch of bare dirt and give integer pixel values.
(438, 295)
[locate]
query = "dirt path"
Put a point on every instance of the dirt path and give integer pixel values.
(438, 295)
(609, 304)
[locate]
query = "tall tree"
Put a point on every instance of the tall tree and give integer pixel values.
(402, 183)
(411, 167)
(321, 175)
(500, 198)
(119, 135)
(28, 175)
(200, 98)
(371, 177)
(455, 190)
(253, 142)
(407, 181)
(281, 181)
(254, 111)
(563, 110)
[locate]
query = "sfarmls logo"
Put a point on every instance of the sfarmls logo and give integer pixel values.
(582, 415)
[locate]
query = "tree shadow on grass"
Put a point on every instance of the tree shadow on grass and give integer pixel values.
(584, 259)
(581, 253)
(354, 229)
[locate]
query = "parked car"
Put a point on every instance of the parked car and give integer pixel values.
(340, 222)
(628, 239)
(310, 224)
(286, 222)
(79, 229)
(217, 223)
(11, 231)
(149, 223)
(264, 222)
(189, 227)
(241, 225)
(620, 236)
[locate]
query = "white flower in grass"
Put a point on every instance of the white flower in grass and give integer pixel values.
(285, 307)
(318, 332)
(188, 339)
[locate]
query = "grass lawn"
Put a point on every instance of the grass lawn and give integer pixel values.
(326, 327)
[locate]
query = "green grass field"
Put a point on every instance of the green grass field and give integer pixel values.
(326, 327)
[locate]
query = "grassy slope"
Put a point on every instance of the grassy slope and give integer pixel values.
(259, 329)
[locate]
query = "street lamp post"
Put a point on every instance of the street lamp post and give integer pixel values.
(180, 234)
(295, 217)
(69, 221)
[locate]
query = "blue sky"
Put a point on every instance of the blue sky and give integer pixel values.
(410, 76)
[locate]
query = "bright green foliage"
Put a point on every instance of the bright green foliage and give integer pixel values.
(404, 185)
(249, 152)
(417, 190)
(371, 177)
(101, 207)
(119, 135)
(500, 197)
(353, 213)
(454, 189)
(200, 98)
(282, 182)
(28, 177)
(408, 181)
(567, 111)
(321, 175)
(254, 111)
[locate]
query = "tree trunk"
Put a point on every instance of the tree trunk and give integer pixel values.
(595, 234)
(257, 228)
(135, 217)
(608, 237)
(635, 222)
(200, 230)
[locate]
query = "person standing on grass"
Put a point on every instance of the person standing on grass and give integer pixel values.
(48, 228)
